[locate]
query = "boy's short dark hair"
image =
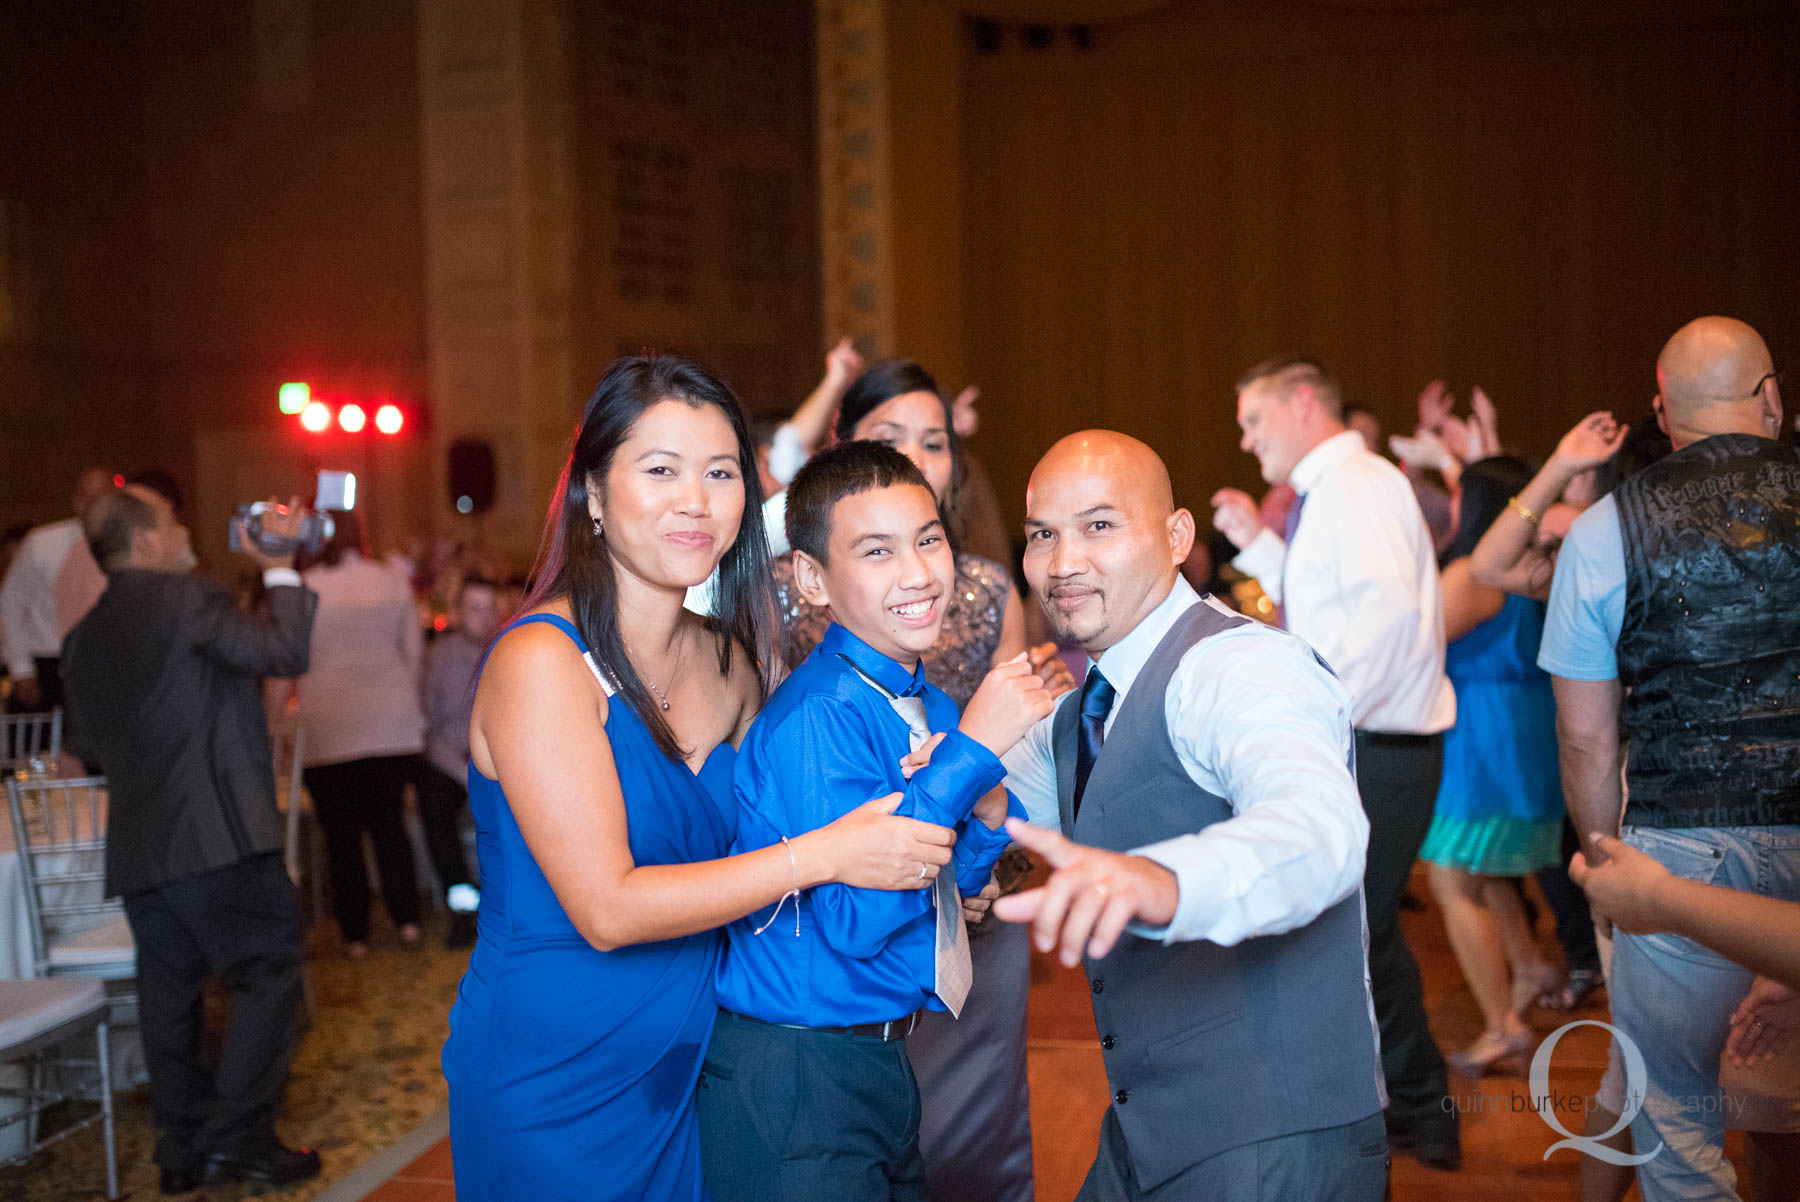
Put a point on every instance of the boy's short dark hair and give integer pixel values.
(837, 472)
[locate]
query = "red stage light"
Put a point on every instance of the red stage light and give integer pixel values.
(352, 419)
(118, 480)
(389, 419)
(316, 416)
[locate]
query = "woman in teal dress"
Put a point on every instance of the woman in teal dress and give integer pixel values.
(600, 763)
(1499, 806)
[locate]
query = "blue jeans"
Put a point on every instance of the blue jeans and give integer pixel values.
(1674, 998)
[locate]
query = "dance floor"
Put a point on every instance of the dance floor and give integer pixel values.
(1504, 1140)
(367, 1076)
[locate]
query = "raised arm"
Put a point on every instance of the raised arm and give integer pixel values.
(1467, 602)
(539, 728)
(813, 417)
(1508, 557)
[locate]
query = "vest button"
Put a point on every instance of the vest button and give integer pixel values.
(1099, 985)
(1107, 1041)
(1122, 1097)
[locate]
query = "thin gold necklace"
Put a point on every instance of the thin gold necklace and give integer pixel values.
(673, 672)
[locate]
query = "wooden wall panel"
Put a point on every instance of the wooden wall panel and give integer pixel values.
(1529, 196)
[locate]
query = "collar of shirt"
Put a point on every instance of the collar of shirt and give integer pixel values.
(1317, 463)
(1122, 662)
(872, 663)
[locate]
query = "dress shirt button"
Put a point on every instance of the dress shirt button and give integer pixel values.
(1106, 1041)
(1099, 985)
(1122, 1097)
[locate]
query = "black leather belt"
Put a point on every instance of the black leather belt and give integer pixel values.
(888, 1032)
(1395, 738)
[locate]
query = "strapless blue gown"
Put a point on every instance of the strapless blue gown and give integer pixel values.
(572, 1071)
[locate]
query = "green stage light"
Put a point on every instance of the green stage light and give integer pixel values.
(294, 397)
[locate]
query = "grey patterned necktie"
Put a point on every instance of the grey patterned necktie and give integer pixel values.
(954, 971)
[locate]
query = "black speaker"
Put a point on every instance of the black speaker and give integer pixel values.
(471, 476)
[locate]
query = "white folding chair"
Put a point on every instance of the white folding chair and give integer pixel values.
(35, 1017)
(28, 737)
(59, 827)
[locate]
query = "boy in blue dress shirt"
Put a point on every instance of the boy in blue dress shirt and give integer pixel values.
(807, 1093)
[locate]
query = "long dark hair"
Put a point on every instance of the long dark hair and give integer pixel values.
(573, 562)
(880, 383)
(1487, 484)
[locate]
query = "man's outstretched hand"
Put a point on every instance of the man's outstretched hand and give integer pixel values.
(1090, 897)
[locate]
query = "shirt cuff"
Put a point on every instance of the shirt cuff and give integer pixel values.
(1262, 559)
(280, 578)
(1192, 865)
(786, 453)
(961, 771)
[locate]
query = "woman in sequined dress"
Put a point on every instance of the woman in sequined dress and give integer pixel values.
(975, 1133)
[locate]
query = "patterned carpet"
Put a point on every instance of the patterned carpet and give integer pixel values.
(366, 1074)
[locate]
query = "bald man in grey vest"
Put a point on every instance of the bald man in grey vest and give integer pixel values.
(1208, 870)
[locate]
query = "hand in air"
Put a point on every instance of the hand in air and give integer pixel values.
(1236, 516)
(1486, 422)
(1593, 440)
(963, 418)
(1435, 403)
(843, 363)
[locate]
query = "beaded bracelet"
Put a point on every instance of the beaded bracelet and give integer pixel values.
(794, 871)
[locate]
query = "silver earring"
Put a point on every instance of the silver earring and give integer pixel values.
(599, 528)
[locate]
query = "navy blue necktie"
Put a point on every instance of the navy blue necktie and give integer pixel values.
(1293, 524)
(1293, 516)
(1097, 696)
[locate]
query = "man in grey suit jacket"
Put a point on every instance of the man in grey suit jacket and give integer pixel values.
(1208, 873)
(162, 696)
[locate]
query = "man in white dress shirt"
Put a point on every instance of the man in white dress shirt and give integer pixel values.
(1209, 867)
(34, 612)
(1358, 580)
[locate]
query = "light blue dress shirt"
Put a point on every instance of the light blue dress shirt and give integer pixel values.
(1587, 598)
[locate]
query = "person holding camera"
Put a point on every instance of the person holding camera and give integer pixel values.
(162, 696)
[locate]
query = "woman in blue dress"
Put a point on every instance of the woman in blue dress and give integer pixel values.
(600, 763)
(1500, 805)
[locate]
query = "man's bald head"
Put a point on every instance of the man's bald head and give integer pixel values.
(134, 527)
(1103, 539)
(1097, 454)
(1713, 378)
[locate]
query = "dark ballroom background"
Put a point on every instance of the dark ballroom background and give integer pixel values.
(1100, 212)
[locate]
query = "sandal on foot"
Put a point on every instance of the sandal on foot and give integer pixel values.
(1577, 989)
